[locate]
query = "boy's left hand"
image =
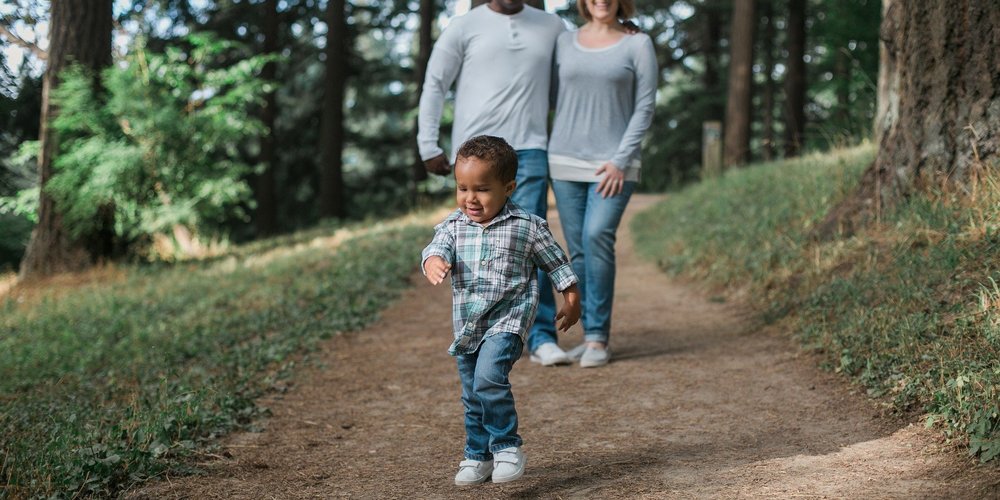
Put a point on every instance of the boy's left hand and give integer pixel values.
(569, 313)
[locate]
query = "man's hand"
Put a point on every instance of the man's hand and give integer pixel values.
(438, 165)
(436, 269)
(569, 313)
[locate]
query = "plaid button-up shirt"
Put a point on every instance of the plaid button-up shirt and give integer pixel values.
(493, 272)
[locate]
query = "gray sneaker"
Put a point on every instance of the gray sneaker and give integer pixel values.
(595, 357)
(576, 353)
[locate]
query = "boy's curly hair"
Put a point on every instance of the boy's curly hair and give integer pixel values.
(495, 151)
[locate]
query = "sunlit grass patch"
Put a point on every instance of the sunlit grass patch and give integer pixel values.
(907, 307)
(108, 382)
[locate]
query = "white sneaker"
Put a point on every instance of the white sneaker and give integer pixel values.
(576, 353)
(549, 354)
(508, 464)
(473, 472)
(595, 357)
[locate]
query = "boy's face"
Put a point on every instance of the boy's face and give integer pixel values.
(479, 191)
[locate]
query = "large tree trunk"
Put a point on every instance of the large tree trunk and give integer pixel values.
(332, 133)
(737, 133)
(79, 32)
(266, 216)
(795, 79)
(887, 100)
(939, 106)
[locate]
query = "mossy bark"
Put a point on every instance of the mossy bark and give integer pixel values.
(939, 106)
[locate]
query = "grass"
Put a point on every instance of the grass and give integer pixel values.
(909, 308)
(107, 384)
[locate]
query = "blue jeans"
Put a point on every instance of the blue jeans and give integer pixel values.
(490, 417)
(532, 194)
(590, 224)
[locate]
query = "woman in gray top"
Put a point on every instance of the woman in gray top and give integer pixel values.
(606, 82)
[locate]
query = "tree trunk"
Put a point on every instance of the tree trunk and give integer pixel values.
(939, 106)
(795, 79)
(711, 40)
(767, 97)
(425, 40)
(79, 32)
(266, 216)
(332, 133)
(887, 100)
(737, 133)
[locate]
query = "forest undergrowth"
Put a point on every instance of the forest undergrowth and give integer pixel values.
(111, 378)
(909, 307)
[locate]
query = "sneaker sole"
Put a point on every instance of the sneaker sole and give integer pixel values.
(536, 359)
(472, 483)
(594, 364)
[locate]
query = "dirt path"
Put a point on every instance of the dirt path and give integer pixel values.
(699, 402)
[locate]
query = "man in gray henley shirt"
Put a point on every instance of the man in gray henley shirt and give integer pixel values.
(501, 56)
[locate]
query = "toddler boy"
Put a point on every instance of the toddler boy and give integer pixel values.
(493, 249)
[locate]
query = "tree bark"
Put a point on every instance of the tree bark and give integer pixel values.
(712, 36)
(737, 132)
(887, 99)
(939, 107)
(332, 132)
(425, 41)
(266, 215)
(79, 32)
(795, 79)
(767, 91)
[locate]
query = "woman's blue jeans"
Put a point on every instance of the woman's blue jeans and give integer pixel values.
(590, 224)
(532, 194)
(490, 416)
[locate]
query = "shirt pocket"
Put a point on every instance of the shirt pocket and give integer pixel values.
(509, 264)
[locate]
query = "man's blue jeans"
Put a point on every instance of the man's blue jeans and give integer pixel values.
(532, 194)
(590, 223)
(490, 416)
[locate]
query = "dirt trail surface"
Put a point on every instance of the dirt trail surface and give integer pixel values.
(698, 402)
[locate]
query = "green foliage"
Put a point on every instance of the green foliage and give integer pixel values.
(163, 147)
(18, 171)
(909, 309)
(111, 384)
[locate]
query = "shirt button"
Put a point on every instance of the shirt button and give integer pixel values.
(483, 262)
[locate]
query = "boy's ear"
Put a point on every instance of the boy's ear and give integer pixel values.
(510, 188)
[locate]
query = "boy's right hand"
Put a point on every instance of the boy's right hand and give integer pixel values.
(436, 269)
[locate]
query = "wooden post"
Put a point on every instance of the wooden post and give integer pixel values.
(711, 149)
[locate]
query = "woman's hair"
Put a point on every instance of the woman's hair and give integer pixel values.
(626, 9)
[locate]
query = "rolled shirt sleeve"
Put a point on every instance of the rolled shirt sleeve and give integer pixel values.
(443, 245)
(549, 257)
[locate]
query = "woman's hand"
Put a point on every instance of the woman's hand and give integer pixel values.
(613, 181)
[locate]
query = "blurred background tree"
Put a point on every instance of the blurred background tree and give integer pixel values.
(337, 108)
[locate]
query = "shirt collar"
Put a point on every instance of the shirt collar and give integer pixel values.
(510, 209)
